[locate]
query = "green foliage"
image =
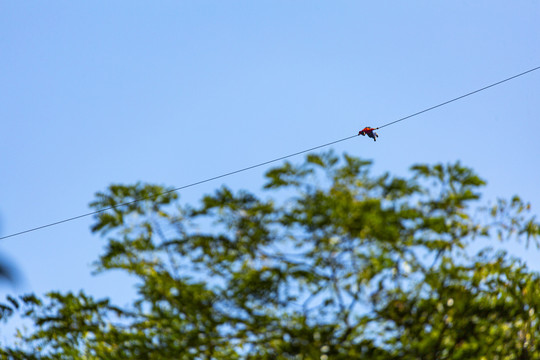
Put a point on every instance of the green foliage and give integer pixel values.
(346, 265)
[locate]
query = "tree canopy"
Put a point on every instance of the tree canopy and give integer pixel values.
(330, 262)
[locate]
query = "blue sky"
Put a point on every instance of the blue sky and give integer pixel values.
(93, 93)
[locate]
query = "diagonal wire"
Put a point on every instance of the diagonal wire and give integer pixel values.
(259, 164)
(175, 189)
(460, 97)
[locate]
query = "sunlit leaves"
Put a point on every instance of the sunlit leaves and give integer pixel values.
(336, 263)
(120, 200)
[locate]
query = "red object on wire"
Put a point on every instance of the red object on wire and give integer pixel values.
(369, 132)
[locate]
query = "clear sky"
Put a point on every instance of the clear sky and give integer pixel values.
(98, 92)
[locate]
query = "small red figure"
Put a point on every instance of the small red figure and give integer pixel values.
(369, 132)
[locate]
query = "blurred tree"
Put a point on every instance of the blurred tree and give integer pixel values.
(7, 272)
(338, 264)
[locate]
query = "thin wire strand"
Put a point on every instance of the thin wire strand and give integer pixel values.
(175, 189)
(257, 165)
(461, 97)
